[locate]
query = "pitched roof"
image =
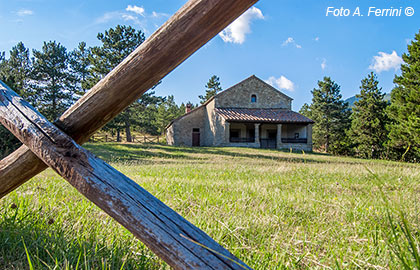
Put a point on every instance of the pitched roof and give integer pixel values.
(252, 77)
(262, 115)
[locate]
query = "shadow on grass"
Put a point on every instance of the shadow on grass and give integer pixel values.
(50, 246)
(114, 152)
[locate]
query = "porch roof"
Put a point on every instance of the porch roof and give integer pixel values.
(262, 115)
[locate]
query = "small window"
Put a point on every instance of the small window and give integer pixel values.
(196, 130)
(253, 99)
(296, 135)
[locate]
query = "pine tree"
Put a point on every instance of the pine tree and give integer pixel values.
(212, 88)
(8, 142)
(117, 44)
(15, 73)
(331, 116)
(79, 63)
(16, 70)
(167, 111)
(52, 80)
(368, 127)
(405, 105)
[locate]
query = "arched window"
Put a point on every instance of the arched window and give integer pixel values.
(253, 99)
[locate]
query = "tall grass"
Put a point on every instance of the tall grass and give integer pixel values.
(272, 209)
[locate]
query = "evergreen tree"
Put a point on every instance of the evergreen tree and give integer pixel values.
(212, 88)
(404, 110)
(166, 112)
(117, 44)
(331, 116)
(368, 127)
(305, 110)
(8, 142)
(15, 73)
(52, 80)
(79, 62)
(16, 70)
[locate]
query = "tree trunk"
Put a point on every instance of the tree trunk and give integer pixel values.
(128, 125)
(118, 135)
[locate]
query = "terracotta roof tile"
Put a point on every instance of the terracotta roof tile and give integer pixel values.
(262, 115)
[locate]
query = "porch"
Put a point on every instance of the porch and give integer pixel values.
(268, 135)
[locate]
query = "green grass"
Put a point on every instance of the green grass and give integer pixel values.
(272, 209)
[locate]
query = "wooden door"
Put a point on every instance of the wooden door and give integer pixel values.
(196, 138)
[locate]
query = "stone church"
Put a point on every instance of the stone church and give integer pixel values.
(251, 113)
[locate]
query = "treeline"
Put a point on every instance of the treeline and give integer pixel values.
(373, 128)
(53, 78)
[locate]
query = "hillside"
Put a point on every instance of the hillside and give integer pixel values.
(272, 209)
(353, 99)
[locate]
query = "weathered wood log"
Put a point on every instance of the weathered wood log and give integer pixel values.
(165, 232)
(184, 33)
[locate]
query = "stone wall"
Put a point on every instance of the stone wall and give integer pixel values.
(297, 146)
(180, 132)
(289, 130)
(170, 135)
(239, 96)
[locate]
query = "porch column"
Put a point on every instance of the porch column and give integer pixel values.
(227, 132)
(257, 135)
(279, 144)
(309, 136)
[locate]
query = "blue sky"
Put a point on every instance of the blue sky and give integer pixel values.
(291, 44)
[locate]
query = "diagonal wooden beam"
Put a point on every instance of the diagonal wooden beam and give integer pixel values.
(185, 32)
(165, 232)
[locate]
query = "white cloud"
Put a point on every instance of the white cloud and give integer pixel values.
(24, 12)
(159, 14)
(236, 31)
(116, 15)
(292, 41)
(384, 62)
(136, 9)
(281, 83)
(108, 16)
(316, 38)
(323, 63)
(127, 17)
(288, 40)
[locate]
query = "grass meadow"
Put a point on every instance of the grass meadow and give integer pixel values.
(272, 209)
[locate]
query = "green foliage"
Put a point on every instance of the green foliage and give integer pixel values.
(405, 110)
(8, 142)
(79, 63)
(16, 70)
(212, 88)
(52, 80)
(331, 116)
(368, 127)
(15, 73)
(166, 112)
(116, 44)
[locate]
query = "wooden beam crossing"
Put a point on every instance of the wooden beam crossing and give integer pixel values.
(184, 33)
(165, 232)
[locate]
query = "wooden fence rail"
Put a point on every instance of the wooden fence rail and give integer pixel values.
(99, 138)
(166, 233)
(185, 32)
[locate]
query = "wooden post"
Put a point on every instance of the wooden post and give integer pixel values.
(165, 232)
(184, 33)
